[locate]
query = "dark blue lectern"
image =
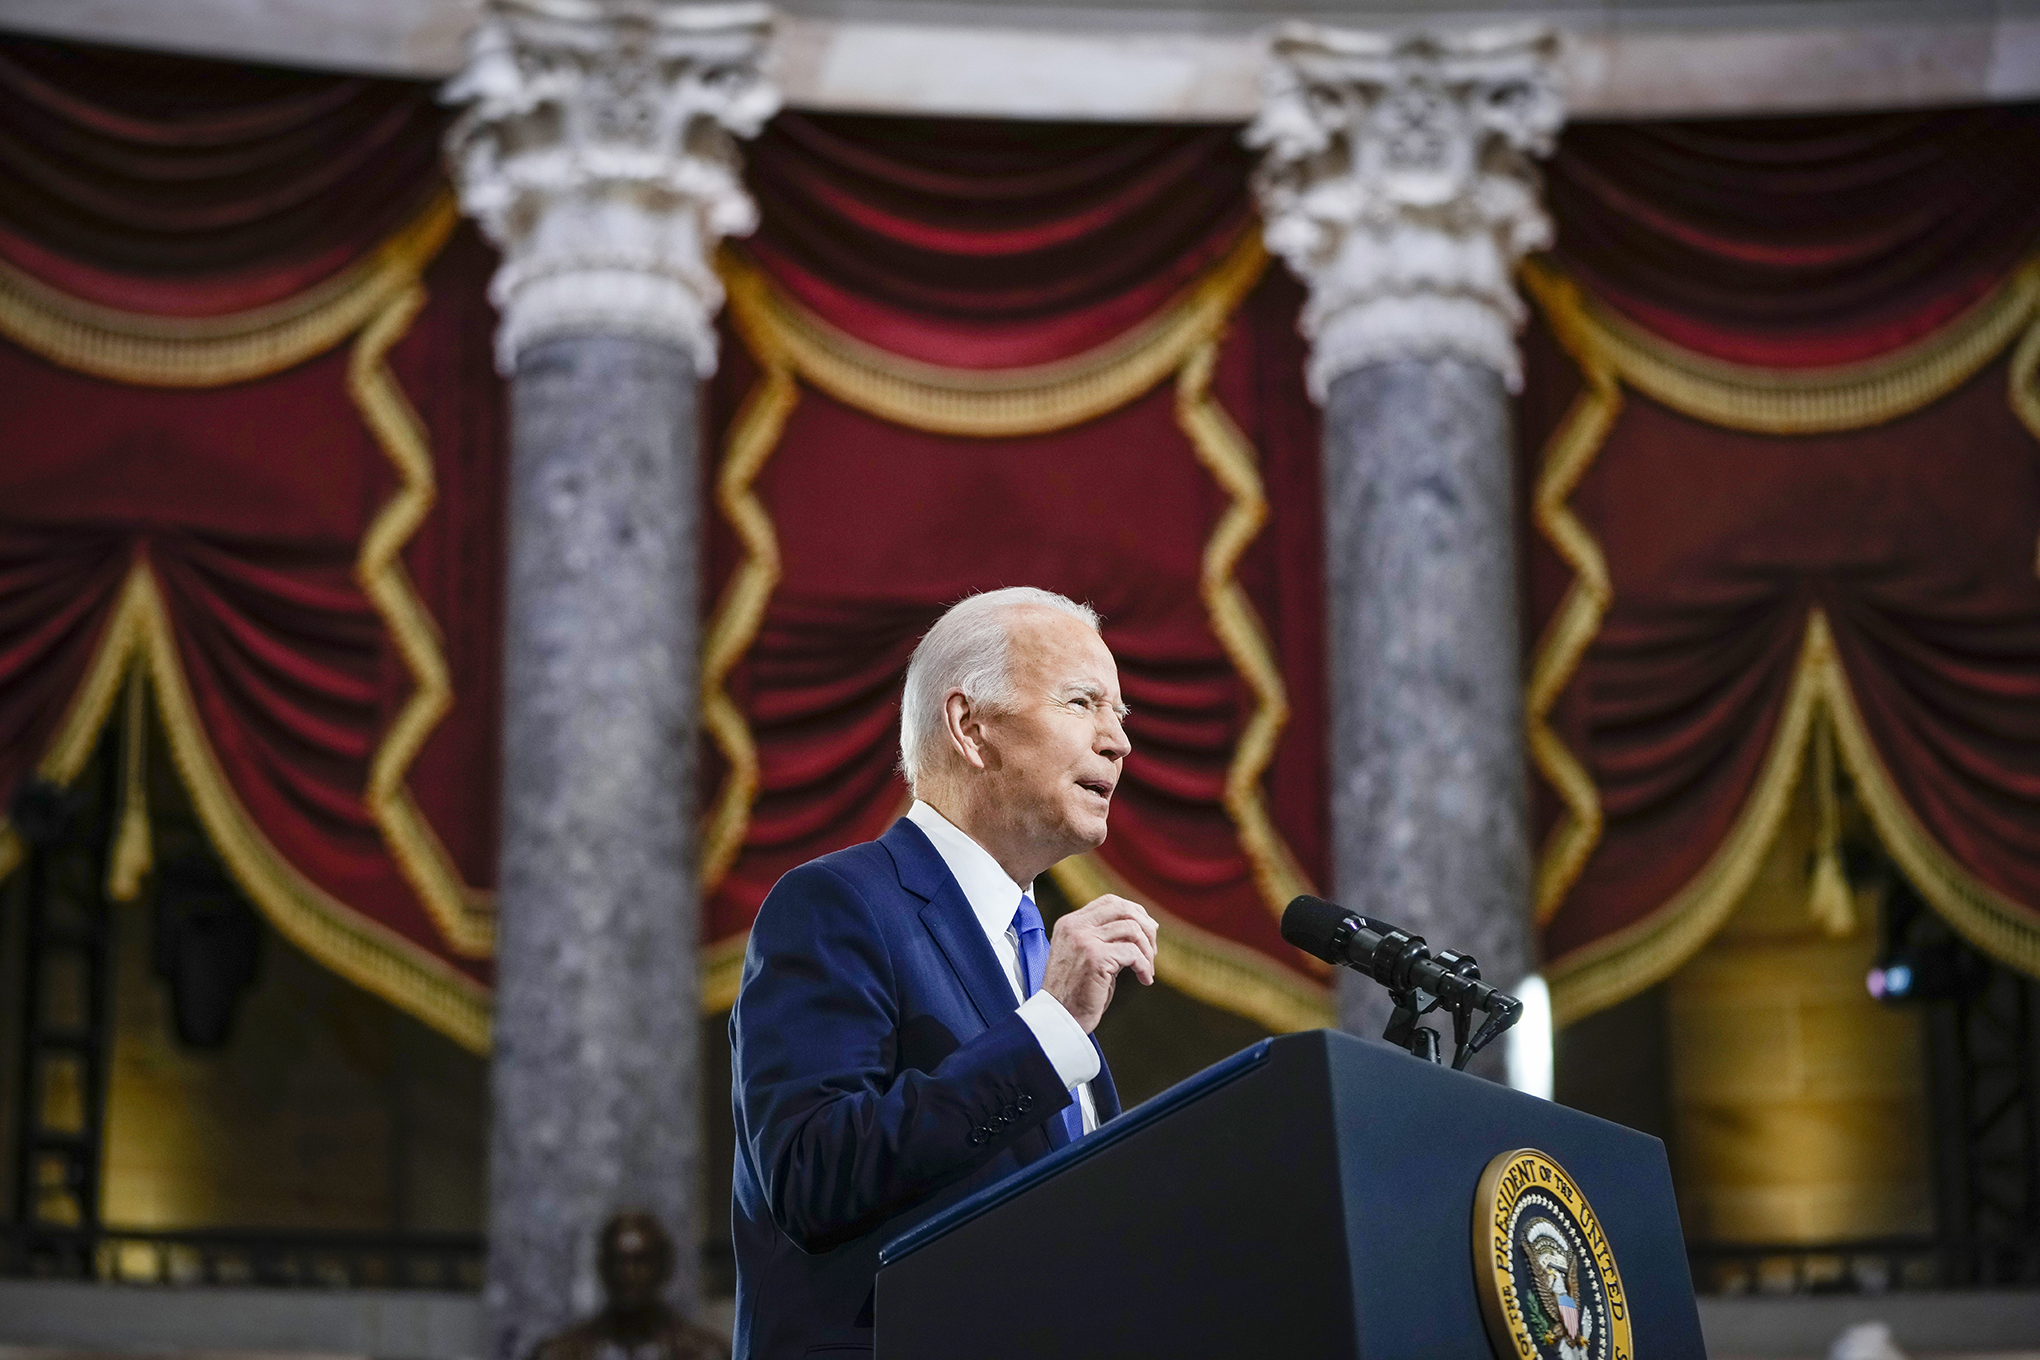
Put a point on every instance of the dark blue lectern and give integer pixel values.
(1312, 1196)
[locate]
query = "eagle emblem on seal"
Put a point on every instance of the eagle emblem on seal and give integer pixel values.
(1552, 1305)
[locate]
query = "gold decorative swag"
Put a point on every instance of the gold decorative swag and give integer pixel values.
(1612, 353)
(1181, 342)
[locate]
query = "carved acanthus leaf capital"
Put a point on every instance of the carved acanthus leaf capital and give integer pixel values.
(1397, 180)
(598, 150)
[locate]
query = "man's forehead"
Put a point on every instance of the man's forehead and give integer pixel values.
(1057, 639)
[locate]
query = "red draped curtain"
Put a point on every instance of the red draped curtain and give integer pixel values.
(1779, 455)
(967, 355)
(1780, 425)
(254, 462)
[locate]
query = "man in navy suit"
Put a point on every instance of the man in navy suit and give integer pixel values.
(906, 1033)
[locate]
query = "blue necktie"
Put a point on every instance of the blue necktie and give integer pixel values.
(1033, 962)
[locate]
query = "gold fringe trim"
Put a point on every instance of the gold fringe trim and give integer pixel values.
(741, 610)
(158, 351)
(1196, 962)
(1612, 352)
(376, 300)
(138, 637)
(133, 853)
(1625, 963)
(1619, 966)
(1229, 457)
(1810, 401)
(1206, 966)
(2022, 381)
(1567, 456)
(791, 344)
(2001, 928)
(84, 717)
(465, 916)
(722, 972)
(998, 403)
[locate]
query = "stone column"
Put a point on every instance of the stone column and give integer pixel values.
(598, 150)
(1397, 182)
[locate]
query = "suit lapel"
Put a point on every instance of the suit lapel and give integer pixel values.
(948, 917)
(950, 920)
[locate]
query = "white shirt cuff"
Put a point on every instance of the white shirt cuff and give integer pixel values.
(1061, 1038)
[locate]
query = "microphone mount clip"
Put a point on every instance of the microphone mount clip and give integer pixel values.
(1418, 981)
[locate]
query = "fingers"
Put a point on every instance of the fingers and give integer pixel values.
(1113, 909)
(1109, 935)
(1138, 957)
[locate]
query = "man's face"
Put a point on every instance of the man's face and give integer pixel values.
(1055, 757)
(634, 1267)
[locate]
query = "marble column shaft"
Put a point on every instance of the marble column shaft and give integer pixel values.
(595, 1062)
(1399, 182)
(598, 148)
(1428, 820)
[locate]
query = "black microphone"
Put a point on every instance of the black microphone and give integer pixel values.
(1401, 962)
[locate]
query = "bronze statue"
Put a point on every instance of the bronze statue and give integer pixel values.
(635, 1262)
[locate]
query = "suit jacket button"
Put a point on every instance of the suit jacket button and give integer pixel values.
(1024, 1103)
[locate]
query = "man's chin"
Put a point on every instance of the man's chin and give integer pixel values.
(1091, 832)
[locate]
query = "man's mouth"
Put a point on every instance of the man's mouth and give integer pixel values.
(1097, 786)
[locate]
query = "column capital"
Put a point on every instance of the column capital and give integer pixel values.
(1397, 180)
(598, 150)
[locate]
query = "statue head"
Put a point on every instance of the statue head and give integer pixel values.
(635, 1260)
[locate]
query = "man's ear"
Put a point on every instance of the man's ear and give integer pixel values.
(965, 727)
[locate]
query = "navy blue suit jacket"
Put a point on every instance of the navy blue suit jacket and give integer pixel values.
(879, 1072)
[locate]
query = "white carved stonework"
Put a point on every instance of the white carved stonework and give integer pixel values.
(1398, 183)
(598, 149)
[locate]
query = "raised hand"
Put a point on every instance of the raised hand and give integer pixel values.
(1088, 950)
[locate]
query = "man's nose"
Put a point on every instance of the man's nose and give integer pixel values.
(1112, 740)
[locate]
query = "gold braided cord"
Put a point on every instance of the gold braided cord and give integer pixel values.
(1567, 455)
(159, 351)
(1228, 456)
(138, 637)
(1618, 966)
(133, 853)
(753, 435)
(1205, 965)
(1001, 403)
(1812, 401)
(465, 916)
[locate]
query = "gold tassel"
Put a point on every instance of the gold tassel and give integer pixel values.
(1829, 900)
(134, 853)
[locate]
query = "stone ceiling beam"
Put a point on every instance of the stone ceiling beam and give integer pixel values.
(1189, 61)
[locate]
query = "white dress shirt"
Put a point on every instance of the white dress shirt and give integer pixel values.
(993, 898)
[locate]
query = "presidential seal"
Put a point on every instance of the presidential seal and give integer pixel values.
(1542, 1266)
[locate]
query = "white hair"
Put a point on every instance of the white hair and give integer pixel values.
(969, 649)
